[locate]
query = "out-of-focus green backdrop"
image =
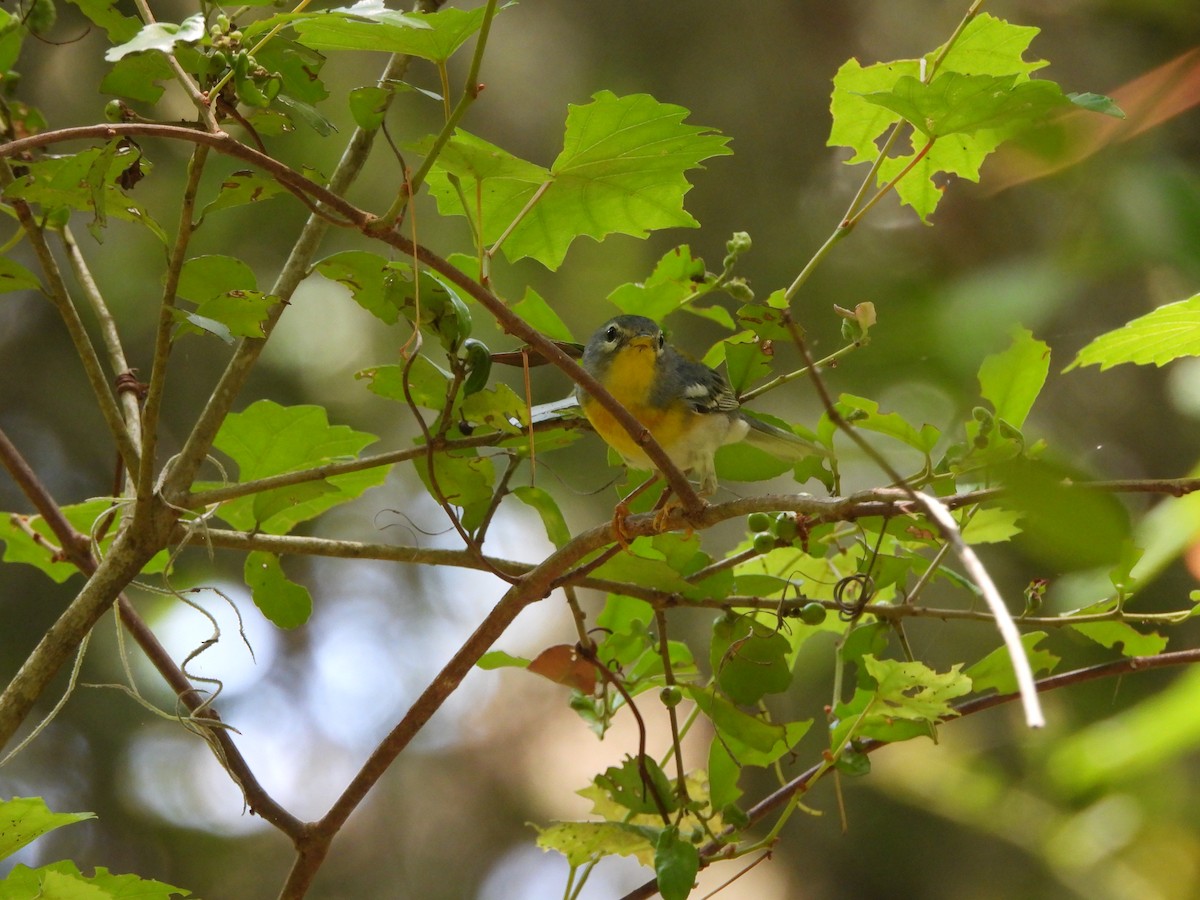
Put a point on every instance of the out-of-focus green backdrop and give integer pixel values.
(1099, 805)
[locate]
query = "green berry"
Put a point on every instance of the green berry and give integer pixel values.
(114, 111)
(671, 696)
(758, 521)
(813, 613)
(785, 526)
(764, 542)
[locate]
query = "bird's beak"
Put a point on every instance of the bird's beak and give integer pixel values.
(643, 342)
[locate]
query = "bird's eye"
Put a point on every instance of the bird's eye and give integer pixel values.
(612, 334)
(662, 340)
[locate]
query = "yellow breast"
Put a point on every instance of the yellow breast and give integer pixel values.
(628, 378)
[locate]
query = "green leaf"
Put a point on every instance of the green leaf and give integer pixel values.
(104, 13)
(369, 278)
(625, 787)
(284, 602)
(369, 25)
(369, 104)
(498, 408)
(743, 462)
(675, 280)
(745, 361)
(498, 659)
(241, 312)
(25, 819)
(991, 46)
(995, 671)
(537, 312)
(15, 277)
(298, 69)
(428, 382)
(463, 479)
(84, 517)
(1110, 634)
(582, 842)
(864, 413)
(63, 881)
(621, 170)
(1064, 526)
(241, 188)
(986, 47)
(138, 77)
(269, 439)
(1167, 333)
(676, 863)
(1012, 380)
(161, 36)
(990, 525)
(954, 103)
(547, 508)
(751, 740)
(723, 774)
(87, 181)
(749, 659)
(898, 701)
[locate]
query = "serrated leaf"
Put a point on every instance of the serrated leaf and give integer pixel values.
(161, 36)
(281, 600)
(370, 25)
(621, 170)
(955, 103)
(63, 881)
(1012, 379)
(25, 819)
(991, 46)
(675, 280)
(897, 701)
(367, 276)
(1166, 334)
(269, 439)
(995, 671)
(581, 842)
(15, 277)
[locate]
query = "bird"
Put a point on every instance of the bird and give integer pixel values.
(688, 407)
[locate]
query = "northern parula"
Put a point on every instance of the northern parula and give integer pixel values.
(688, 407)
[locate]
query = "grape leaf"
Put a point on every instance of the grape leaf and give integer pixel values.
(269, 439)
(25, 819)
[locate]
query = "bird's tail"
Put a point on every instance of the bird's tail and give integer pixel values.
(780, 443)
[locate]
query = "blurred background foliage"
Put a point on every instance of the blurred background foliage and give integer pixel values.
(1100, 805)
